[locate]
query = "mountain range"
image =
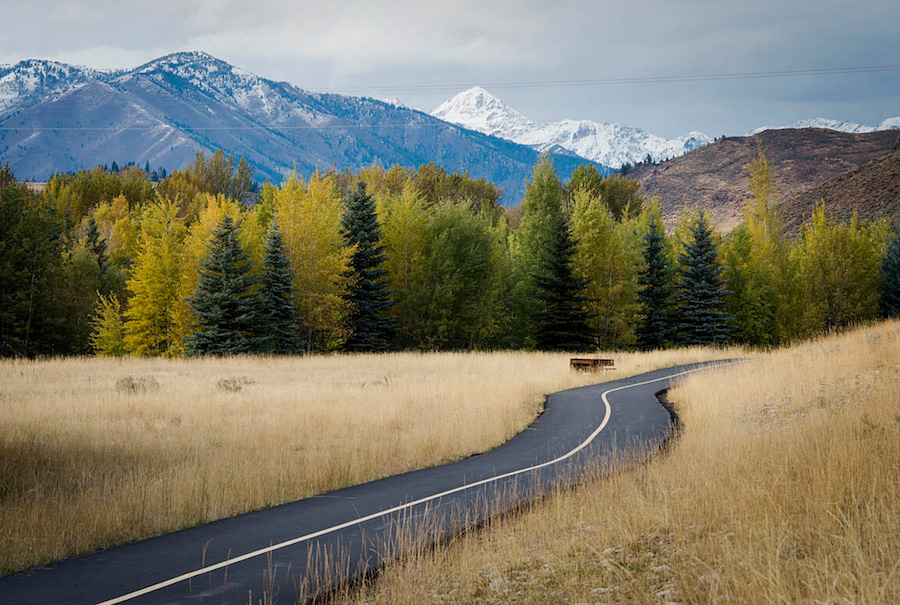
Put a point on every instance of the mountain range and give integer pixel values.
(607, 143)
(58, 117)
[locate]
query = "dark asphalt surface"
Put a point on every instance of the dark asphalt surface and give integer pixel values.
(637, 424)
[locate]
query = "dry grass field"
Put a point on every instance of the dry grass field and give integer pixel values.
(97, 452)
(784, 487)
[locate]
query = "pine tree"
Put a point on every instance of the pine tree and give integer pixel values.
(890, 272)
(226, 303)
(562, 324)
(368, 295)
(278, 325)
(702, 315)
(542, 216)
(655, 281)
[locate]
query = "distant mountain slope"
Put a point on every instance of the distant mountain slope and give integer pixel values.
(607, 143)
(839, 125)
(714, 177)
(872, 190)
(59, 118)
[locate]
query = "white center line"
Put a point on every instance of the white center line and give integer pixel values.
(352, 522)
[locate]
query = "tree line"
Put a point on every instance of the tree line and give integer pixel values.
(204, 261)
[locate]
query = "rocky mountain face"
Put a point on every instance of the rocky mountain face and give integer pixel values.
(607, 143)
(56, 117)
(714, 177)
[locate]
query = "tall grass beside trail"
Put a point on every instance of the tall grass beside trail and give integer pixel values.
(783, 487)
(96, 452)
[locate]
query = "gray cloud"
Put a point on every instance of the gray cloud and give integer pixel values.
(365, 47)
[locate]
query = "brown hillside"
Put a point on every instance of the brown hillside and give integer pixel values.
(714, 177)
(872, 190)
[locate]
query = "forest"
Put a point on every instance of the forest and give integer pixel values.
(204, 261)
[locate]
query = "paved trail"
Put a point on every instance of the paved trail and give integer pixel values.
(307, 546)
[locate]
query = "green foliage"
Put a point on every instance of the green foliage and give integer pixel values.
(541, 219)
(225, 303)
(371, 329)
(459, 300)
(621, 195)
(703, 318)
(108, 336)
(752, 298)
(890, 274)
(607, 255)
(404, 218)
(655, 329)
(30, 265)
(278, 322)
(839, 270)
(561, 323)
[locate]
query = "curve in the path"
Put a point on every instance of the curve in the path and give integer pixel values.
(295, 550)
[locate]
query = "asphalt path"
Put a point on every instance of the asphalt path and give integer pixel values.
(304, 548)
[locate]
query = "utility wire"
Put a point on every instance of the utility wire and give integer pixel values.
(747, 75)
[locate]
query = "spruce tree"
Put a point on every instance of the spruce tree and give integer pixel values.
(655, 281)
(94, 244)
(225, 303)
(368, 294)
(702, 315)
(278, 322)
(561, 323)
(890, 272)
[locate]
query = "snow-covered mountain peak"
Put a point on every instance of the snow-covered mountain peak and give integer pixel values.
(40, 78)
(608, 143)
(477, 109)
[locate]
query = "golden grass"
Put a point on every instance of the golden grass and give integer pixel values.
(784, 487)
(97, 452)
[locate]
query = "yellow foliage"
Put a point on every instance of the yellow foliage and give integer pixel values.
(310, 216)
(154, 326)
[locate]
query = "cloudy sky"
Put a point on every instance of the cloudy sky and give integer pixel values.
(548, 59)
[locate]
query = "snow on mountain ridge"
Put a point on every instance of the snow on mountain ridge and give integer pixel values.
(839, 125)
(608, 143)
(477, 109)
(40, 77)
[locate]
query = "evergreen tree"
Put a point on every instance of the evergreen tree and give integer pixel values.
(278, 324)
(226, 303)
(702, 316)
(542, 216)
(890, 273)
(368, 292)
(655, 282)
(94, 244)
(562, 324)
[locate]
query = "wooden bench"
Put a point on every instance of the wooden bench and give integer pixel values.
(591, 364)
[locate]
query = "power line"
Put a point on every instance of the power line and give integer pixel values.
(748, 75)
(435, 124)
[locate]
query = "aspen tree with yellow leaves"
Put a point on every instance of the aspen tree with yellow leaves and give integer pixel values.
(310, 217)
(153, 325)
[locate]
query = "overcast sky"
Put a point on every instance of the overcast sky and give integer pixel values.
(424, 52)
